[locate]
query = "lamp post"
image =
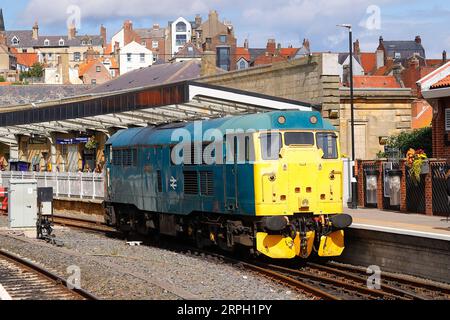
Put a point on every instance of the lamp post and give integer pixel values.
(353, 204)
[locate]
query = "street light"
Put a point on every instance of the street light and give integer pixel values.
(353, 204)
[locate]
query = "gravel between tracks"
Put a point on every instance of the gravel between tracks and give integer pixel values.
(111, 269)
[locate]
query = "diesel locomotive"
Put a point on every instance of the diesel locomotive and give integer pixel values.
(271, 182)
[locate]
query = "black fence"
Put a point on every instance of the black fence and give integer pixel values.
(440, 199)
(415, 193)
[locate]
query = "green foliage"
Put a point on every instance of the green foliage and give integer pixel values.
(2, 79)
(36, 71)
(416, 139)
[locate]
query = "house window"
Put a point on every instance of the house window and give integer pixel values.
(397, 55)
(77, 56)
(129, 57)
(90, 42)
(223, 38)
(93, 81)
(61, 42)
(142, 57)
(181, 40)
(181, 27)
(223, 58)
(242, 65)
(144, 43)
(83, 42)
(15, 41)
(98, 69)
(46, 42)
(447, 119)
(155, 44)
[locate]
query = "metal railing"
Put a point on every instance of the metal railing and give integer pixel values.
(79, 185)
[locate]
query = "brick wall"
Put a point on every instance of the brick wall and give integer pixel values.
(440, 150)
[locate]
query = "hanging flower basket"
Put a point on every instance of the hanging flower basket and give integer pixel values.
(418, 164)
(91, 144)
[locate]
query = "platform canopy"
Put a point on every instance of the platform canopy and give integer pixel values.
(106, 112)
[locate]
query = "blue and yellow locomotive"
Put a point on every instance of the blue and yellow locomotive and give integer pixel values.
(272, 182)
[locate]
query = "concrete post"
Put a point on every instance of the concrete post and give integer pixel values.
(14, 150)
(52, 140)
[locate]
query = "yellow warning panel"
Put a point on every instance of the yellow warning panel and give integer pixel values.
(275, 246)
(332, 245)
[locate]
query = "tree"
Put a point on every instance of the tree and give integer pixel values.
(418, 139)
(2, 79)
(36, 71)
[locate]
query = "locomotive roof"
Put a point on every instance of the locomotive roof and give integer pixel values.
(161, 135)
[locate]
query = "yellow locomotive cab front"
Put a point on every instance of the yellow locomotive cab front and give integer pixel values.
(302, 183)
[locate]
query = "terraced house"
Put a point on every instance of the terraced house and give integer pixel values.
(50, 48)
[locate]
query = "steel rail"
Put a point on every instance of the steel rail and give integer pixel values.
(60, 282)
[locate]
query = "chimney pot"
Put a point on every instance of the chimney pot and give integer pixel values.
(444, 56)
(418, 40)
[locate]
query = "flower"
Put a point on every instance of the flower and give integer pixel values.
(414, 160)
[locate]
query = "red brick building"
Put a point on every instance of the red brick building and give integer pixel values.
(435, 89)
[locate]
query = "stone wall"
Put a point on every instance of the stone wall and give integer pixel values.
(315, 79)
(378, 113)
(305, 79)
(406, 254)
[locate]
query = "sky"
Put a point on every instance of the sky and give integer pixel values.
(287, 21)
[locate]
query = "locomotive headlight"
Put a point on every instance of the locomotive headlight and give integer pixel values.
(313, 120)
(281, 120)
(305, 203)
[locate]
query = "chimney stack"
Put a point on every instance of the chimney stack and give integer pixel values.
(356, 48)
(246, 44)
(306, 46)
(198, 20)
(2, 21)
(103, 35)
(156, 26)
(213, 16)
(271, 46)
(418, 40)
(35, 31)
(128, 25)
(380, 40)
(72, 32)
(444, 56)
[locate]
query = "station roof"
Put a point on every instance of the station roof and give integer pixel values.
(136, 107)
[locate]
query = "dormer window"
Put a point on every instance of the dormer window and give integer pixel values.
(61, 42)
(90, 42)
(46, 42)
(15, 41)
(83, 42)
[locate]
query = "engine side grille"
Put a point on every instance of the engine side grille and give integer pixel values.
(206, 183)
(190, 182)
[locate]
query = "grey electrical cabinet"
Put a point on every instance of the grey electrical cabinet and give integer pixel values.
(22, 203)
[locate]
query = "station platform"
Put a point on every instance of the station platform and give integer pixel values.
(400, 223)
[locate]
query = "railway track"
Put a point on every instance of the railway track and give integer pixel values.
(24, 280)
(416, 288)
(329, 282)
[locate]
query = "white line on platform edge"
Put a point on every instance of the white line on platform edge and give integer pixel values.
(4, 295)
(423, 234)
